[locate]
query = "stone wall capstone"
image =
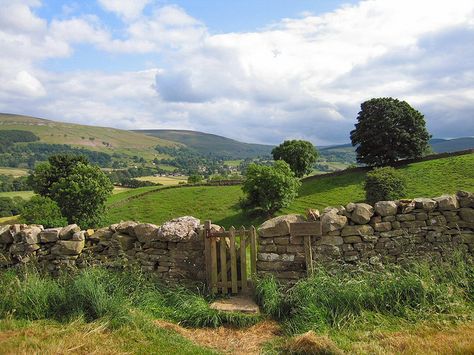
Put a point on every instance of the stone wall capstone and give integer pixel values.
(388, 232)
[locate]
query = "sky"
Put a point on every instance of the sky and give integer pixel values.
(257, 71)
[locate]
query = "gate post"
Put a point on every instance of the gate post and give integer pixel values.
(207, 251)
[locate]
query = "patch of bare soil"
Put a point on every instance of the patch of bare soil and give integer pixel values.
(229, 340)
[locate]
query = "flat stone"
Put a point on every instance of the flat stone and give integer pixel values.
(279, 226)
(6, 235)
(180, 229)
(386, 208)
(126, 227)
(241, 304)
(467, 214)
(447, 202)
(67, 232)
(331, 221)
(426, 204)
(466, 198)
(50, 235)
(362, 213)
(357, 230)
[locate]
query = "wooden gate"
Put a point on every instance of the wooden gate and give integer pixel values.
(231, 259)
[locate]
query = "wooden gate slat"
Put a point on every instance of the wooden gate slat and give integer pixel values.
(253, 251)
(243, 259)
(223, 257)
(207, 251)
(233, 261)
(213, 266)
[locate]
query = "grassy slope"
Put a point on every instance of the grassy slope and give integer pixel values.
(427, 179)
(164, 180)
(15, 172)
(206, 143)
(121, 141)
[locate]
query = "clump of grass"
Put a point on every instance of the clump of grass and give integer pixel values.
(116, 297)
(327, 301)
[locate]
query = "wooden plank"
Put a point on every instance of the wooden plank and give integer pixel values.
(233, 261)
(207, 251)
(221, 234)
(223, 257)
(253, 251)
(302, 229)
(213, 266)
(243, 259)
(308, 253)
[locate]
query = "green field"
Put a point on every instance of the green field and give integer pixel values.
(164, 180)
(23, 194)
(15, 172)
(220, 203)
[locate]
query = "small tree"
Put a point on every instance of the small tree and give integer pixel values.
(383, 184)
(194, 179)
(300, 155)
(270, 188)
(388, 130)
(44, 211)
(79, 189)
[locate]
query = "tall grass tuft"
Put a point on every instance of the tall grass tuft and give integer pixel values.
(339, 299)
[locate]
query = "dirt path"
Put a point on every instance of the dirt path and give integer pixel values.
(229, 340)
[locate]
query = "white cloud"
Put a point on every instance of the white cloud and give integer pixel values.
(127, 9)
(302, 77)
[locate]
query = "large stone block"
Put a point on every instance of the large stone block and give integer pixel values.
(362, 213)
(125, 241)
(332, 221)
(386, 208)
(382, 226)
(447, 202)
(6, 235)
(279, 226)
(127, 227)
(426, 204)
(49, 235)
(180, 229)
(330, 240)
(466, 199)
(146, 232)
(67, 232)
(30, 235)
(357, 230)
(467, 214)
(67, 247)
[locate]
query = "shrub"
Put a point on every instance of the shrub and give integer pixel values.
(44, 211)
(382, 184)
(194, 179)
(270, 188)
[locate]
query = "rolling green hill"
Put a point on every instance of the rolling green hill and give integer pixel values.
(211, 144)
(220, 204)
(102, 139)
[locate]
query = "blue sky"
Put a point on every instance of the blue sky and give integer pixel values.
(258, 71)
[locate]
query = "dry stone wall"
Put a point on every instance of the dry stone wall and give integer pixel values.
(173, 250)
(388, 232)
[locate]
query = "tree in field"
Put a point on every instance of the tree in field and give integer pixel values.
(42, 210)
(79, 189)
(388, 130)
(269, 188)
(300, 155)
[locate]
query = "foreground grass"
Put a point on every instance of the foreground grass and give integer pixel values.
(220, 203)
(363, 309)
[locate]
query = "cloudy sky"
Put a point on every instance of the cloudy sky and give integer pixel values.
(254, 70)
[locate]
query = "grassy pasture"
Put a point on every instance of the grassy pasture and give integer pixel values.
(164, 180)
(26, 195)
(220, 203)
(15, 172)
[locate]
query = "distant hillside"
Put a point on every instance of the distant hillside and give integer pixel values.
(211, 144)
(100, 139)
(452, 145)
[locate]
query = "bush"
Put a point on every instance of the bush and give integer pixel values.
(383, 184)
(44, 211)
(270, 188)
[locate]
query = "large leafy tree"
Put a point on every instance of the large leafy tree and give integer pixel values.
(300, 155)
(388, 130)
(270, 188)
(79, 189)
